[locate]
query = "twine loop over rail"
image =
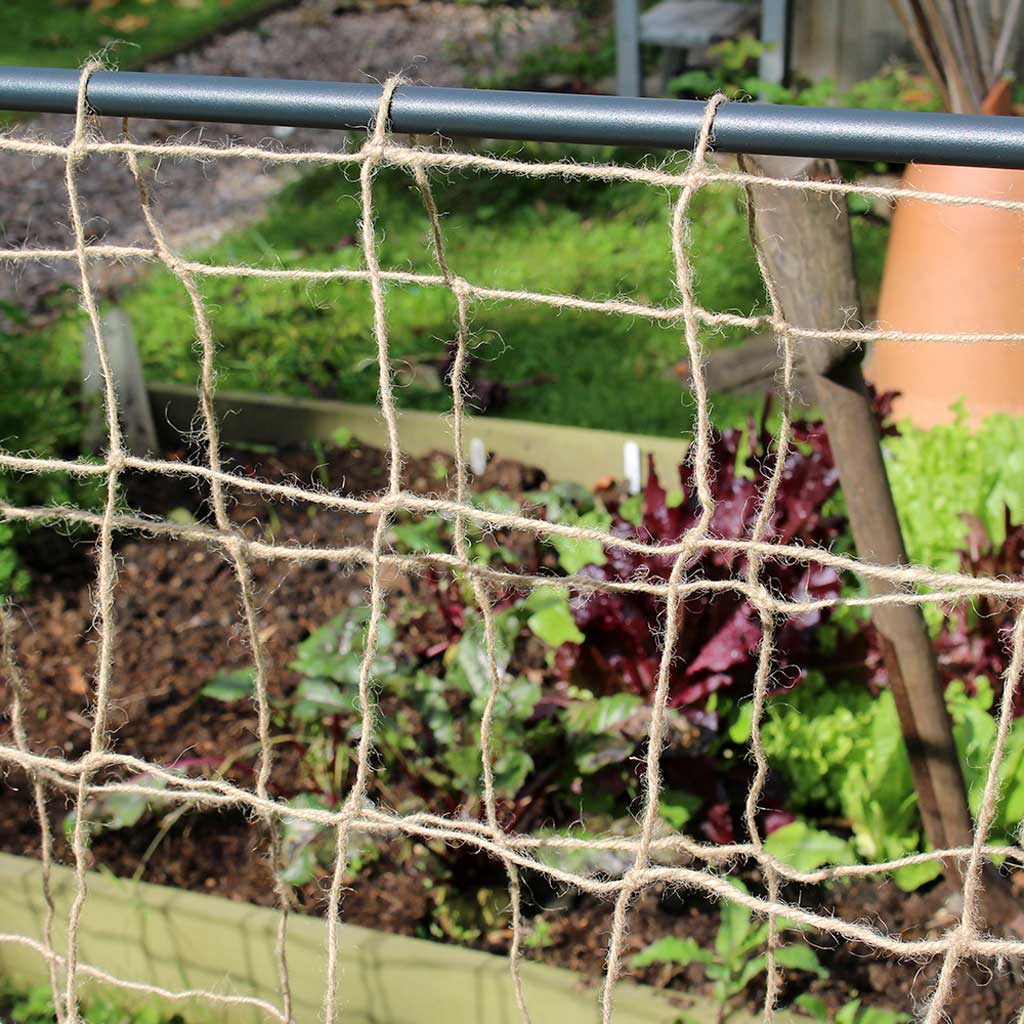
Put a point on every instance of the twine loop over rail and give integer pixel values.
(655, 859)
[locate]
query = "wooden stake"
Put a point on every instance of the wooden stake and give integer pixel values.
(133, 402)
(805, 237)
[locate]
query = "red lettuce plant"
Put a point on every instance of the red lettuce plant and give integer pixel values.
(974, 639)
(719, 632)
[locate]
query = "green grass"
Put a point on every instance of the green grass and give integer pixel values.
(62, 33)
(588, 239)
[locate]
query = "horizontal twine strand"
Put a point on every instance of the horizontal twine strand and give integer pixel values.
(213, 794)
(393, 154)
(669, 315)
(952, 587)
(156, 991)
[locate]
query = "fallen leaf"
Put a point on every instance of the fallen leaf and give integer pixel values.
(916, 96)
(128, 23)
(78, 684)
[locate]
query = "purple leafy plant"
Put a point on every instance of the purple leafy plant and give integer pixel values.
(718, 632)
(975, 636)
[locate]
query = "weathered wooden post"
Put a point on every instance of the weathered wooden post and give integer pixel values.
(805, 238)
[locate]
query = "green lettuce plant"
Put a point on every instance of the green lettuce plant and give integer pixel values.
(842, 752)
(941, 474)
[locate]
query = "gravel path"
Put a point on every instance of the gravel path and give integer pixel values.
(436, 43)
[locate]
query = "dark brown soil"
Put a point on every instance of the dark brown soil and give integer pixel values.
(178, 625)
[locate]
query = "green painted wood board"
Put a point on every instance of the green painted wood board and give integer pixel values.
(570, 454)
(178, 940)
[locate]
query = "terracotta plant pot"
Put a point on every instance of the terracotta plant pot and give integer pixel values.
(953, 269)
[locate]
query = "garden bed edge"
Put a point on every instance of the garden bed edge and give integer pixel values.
(180, 940)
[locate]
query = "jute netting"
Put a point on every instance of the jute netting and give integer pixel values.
(705, 868)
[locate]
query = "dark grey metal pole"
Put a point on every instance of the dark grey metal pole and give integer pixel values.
(896, 136)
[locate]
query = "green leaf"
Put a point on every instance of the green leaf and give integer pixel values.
(670, 950)
(422, 537)
(632, 509)
(735, 929)
(677, 807)
(701, 82)
(814, 1005)
(881, 1015)
(913, 876)
(231, 686)
(324, 696)
(298, 837)
(300, 867)
(122, 810)
(602, 751)
(574, 553)
(1011, 773)
(428, 696)
(848, 1013)
(335, 650)
(510, 771)
(181, 516)
(552, 620)
(806, 849)
(601, 715)
(472, 668)
(464, 764)
(800, 958)
(857, 203)
(750, 970)
(516, 700)
(739, 730)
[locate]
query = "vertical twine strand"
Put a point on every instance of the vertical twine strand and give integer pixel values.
(106, 574)
(766, 650)
(236, 548)
(966, 933)
(479, 586)
(692, 182)
(19, 697)
(373, 151)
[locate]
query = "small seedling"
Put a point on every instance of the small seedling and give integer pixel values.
(850, 1013)
(735, 960)
(540, 936)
